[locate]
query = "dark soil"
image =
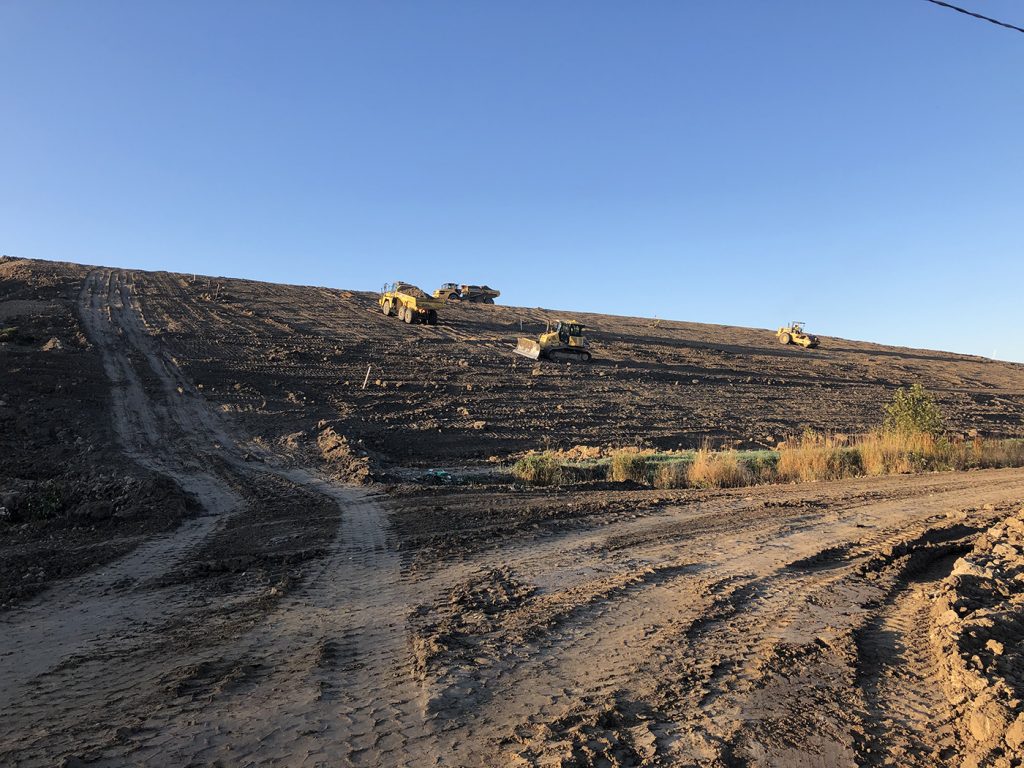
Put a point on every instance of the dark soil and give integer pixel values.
(69, 499)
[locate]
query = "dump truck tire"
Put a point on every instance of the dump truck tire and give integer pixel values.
(409, 315)
(386, 307)
(432, 317)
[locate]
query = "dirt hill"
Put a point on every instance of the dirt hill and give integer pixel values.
(182, 583)
(282, 358)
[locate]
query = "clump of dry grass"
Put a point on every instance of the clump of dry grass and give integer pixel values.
(998, 454)
(824, 457)
(718, 469)
(672, 474)
(984, 454)
(629, 465)
(808, 458)
(899, 453)
(815, 456)
(539, 469)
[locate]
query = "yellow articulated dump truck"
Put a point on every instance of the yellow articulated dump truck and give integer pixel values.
(409, 303)
(474, 294)
(564, 342)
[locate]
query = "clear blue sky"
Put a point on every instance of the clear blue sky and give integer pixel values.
(856, 164)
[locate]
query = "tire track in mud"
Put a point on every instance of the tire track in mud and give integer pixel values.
(908, 719)
(100, 613)
(586, 654)
(95, 604)
(612, 638)
(343, 609)
(109, 650)
(333, 669)
(702, 666)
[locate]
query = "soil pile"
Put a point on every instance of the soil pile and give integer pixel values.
(345, 462)
(451, 630)
(617, 735)
(979, 623)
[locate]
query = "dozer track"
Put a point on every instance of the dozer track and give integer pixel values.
(569, 355)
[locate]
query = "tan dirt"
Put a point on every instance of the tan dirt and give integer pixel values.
(297, 620)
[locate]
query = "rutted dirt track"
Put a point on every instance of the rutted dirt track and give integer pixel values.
(300, 621)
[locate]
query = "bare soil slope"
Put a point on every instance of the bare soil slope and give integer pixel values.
(257, 610)
(282, 358)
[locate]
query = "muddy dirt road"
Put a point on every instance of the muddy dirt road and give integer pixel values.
(726, 630)
(298, 620)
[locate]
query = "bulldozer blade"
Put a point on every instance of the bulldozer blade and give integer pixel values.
(528, 348)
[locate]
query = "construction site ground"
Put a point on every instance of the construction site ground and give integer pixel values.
(218, 547)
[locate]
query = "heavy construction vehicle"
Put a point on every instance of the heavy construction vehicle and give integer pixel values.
(409, 303)
(564, 341)
(794, 334)
(476, 294)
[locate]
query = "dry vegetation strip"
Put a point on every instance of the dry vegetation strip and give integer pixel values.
(808, 458)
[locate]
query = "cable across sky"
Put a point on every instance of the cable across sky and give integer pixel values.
(966, 12)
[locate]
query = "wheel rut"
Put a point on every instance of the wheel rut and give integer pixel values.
(336, 633)
(908, 719)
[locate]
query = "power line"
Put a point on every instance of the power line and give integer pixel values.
(989, 19)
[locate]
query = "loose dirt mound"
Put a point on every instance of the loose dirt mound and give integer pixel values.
(345, 462)
(411, 290)
(979, 623)
(616, 735)
(447, 632)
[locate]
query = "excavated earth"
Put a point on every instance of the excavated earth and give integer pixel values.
(219, 544)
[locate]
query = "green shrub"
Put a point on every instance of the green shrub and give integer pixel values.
(914, 410)
(762, 465)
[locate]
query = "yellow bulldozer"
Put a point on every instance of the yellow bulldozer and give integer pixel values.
(794, 334)
(409, 303)
(564, 341)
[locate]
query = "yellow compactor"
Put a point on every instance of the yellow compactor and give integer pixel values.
(794, 334)
(564, 341)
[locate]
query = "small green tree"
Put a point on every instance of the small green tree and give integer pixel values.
(914, 410)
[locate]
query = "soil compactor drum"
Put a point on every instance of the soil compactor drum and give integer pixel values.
(564, 342)
(409, 303)
(794, 334)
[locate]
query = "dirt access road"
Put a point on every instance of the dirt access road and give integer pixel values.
(298, 621)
